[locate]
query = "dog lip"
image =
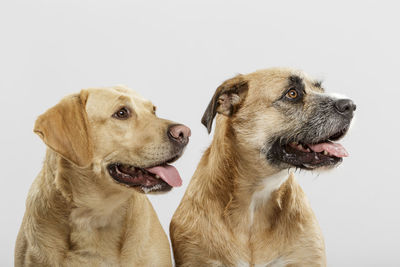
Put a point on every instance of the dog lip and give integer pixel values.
(157, 163)
(332, 137)
(339, 135)
(336, 136)
(172, 159)
(168, 161)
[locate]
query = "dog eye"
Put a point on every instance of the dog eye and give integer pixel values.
(292, 93)
(122, 114)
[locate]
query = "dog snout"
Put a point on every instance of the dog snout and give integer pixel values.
(179, 134)
(345, 107)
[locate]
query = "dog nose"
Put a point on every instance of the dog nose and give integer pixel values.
(179, 133)
(346, 107)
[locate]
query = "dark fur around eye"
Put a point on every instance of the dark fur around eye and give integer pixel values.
(295, 83)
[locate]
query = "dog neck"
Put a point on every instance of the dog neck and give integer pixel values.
(236, 181)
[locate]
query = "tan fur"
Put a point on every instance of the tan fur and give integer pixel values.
(219, 221)
(76, 215)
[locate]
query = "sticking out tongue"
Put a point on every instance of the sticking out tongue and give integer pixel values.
(168, 173)
(333, 149)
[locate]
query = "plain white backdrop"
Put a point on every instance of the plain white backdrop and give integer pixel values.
(176, 53)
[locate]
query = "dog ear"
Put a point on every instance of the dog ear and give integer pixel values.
(226, 100)
(63, 128)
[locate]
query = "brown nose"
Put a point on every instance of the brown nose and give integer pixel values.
(179, 133)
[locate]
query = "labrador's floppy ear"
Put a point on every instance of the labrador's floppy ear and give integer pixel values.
(63, 128)
(226, 99)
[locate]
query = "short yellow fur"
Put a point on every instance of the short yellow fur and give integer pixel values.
(76, 215)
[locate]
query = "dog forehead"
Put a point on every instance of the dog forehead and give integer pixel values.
(272, 82)
(267, 83)
(135, 96)
(106, 100)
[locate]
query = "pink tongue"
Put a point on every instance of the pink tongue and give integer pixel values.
(168, 173)
(334, 149)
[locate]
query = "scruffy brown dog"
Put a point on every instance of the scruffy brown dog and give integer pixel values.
(243, 207)
(86, 207)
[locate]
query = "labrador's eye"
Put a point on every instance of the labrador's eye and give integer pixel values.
(292, 94)
(122, 114)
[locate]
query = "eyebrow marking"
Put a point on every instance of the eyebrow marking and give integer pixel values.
(318, 84)
(297, 82)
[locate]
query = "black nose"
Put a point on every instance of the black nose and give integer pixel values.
(179, 134)
(346, 107)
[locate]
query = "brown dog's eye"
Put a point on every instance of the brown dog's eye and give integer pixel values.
(122, 114)
(292, 93)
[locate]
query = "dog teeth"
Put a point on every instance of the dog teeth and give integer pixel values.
(158, 177)
(325, 153)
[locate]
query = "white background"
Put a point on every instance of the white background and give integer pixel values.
(176, 53)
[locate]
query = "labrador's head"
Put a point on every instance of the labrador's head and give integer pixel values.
(116, 133)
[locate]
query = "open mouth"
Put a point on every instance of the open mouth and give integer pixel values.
(323, 152)
(160, 178)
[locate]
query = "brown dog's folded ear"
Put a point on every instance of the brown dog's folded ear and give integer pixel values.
(63, 128)
(226, 100)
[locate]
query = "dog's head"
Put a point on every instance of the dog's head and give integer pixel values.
(284, 116)
(116, 133)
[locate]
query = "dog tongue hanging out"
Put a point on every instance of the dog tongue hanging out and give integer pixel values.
(168, 173)
(243, 206)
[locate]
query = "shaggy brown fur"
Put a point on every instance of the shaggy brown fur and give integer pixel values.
(240, 209)
(76, 214)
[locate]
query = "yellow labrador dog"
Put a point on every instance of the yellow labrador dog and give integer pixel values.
(243, 207)
(86, 208)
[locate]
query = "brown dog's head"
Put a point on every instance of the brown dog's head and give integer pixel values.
(284, 117)
(115, 133)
